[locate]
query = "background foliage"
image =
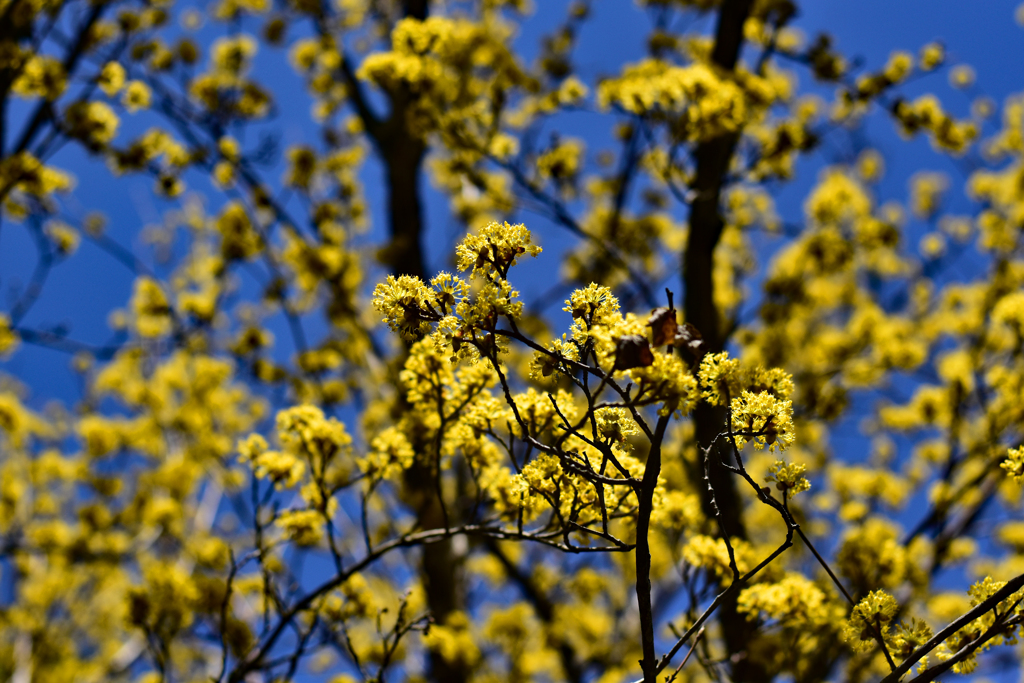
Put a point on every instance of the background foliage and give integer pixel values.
(219, 465)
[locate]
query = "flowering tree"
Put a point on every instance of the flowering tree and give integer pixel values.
(260, 481)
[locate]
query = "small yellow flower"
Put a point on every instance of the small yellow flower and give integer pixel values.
(870, 166)
(8, 337)
(151, 309)
(1014, 464)
(932, 55)
(718, 376)
(495, 248)
(65, 238)
(898, 67)
(764, 419)
(788, 478)
(870, 620)
(94, 122)
(961, 77)
(305, 527)
(933, 245)
(136, 96)
(111, 78)
(408, 306)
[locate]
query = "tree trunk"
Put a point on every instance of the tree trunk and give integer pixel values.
(403, 159)
(402, 154)
(706, 224)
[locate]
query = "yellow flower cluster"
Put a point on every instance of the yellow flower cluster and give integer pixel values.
(453, 640)
(926, 190)
(152, 145)
(137, 95)
(713, 554)
(320, 440)
(764, 419)
(723, 378)
(354, 599)
(390, 455)
(706, 104)
(407, 305)
(41, 76)
(1014, 464)
(94, 123)
(226, 87)
(794, 602)
(789, 479)
(464, 323)
(151, 309)
(8, 337)
(65, 239)
(983, 625)
(870, 620)
(720, 377)
(24, 173)
(282, 468)
(111, 78)
(667, 380)
(420, 49)
(926, 113)
(562, 161)
(494, 249)
(837, 199)
(453, 67)
(304, 527)
(871, 556)
(239, 239)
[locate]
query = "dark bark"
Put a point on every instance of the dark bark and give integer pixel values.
(403, 160)
(645, 498)
(417, 9)
(439, 568)
(706, 223)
